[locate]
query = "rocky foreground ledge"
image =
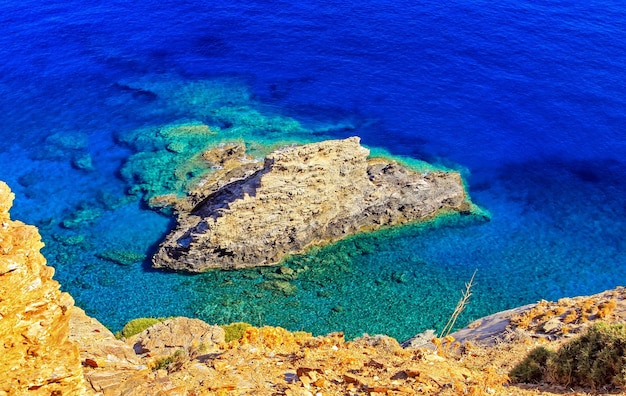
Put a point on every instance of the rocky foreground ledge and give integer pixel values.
(50, 347)
(301, 196)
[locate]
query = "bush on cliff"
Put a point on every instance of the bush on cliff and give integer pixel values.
(234, 331)
(597, 358)
(533, 368)
(136, 326)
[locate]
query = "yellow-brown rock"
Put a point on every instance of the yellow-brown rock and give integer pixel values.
(109, 365)
(37, 356)
(174, 334)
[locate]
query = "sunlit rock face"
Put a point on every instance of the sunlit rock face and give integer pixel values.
(303, 196)
(36, 356)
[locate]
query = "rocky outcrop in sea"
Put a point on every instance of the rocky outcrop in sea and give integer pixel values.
(301, 196)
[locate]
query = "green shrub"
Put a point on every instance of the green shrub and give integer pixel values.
(533, 368)
(172, 362)
(136, 326)
(234, 331)
(596, 358)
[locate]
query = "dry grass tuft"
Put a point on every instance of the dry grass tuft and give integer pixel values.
(460, 307)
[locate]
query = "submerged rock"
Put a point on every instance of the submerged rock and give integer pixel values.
(83, 162)
(122, 257)
(63, 145)
(302, 196)
(86, 213)
(282, 286)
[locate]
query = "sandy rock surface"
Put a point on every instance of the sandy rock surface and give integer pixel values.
(171, 335)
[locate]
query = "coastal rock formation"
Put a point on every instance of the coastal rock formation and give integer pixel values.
(548, 320)
(302, 196)
(171, 335)
(37, 356)
(110, 366)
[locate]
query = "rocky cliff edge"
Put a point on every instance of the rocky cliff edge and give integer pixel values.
(37, 356)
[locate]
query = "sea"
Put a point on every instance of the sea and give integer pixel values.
(526, 98)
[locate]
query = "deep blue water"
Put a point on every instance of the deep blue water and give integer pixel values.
(526, 97)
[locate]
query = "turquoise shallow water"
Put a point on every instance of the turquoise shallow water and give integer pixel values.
(523, 97)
